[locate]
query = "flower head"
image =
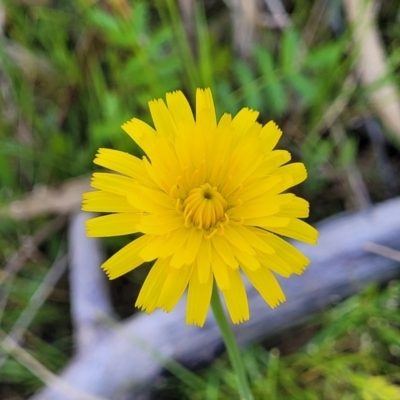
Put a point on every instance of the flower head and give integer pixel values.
(208, 199)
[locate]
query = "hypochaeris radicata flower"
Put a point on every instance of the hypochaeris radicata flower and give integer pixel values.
(208, 198)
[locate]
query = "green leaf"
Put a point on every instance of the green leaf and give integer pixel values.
(251, 90)
(289, 55)
(348, 152)
(274, 89)
(325, 56)
(305, 87)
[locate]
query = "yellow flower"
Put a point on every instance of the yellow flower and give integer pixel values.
(207, 197)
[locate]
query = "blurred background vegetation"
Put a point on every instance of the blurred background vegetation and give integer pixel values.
(71, 72)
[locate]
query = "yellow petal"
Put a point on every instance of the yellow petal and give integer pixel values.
(149, 200)
(160, 224)
(203, 261)
(100, 201)
(126, 259)
(178, 259)
(152, 286)
(113, 225)
(197, 148)
(296, 208)
(220, 270)
(112, 183)
(182, 143)
(270, 135)
(268, 222)
(181, 112)
(183, 117)
(195, 237)
(222, 246)
(250, 235)
(297, 229)
(220, 144)
(205, 110)
(268, 187)
(236, 240)
(272, 161)
(123, 163)
(267, 285)
(245, 155)
(276, 264)
(162, 119)
(164, 167)
(261, 187)
(282, 179)
(174, 286)
(153, 248)
(174, 242)
(198, 301)
(293, 258)
(244, 119)
(236, 298)
(292, 175)
(143, 134)
(157, 173)
(246, 260)
(250, 210)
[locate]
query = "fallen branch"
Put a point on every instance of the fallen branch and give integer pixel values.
(90, 301)
(126, 361)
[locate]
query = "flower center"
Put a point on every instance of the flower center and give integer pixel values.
(204, 207)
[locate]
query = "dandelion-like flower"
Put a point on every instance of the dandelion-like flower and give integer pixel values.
(208, 199)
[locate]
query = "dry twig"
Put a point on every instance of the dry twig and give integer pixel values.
(383, 251)
(25, 252)
(371, 63)
(358, 192)
(278, 14)
(36, 301)
(61, 387)
(244, 16)
(46, 200)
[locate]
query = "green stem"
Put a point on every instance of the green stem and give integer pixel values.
(231, 345)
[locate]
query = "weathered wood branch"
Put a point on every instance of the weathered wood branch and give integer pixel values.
(90, 300)
(127, 360)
